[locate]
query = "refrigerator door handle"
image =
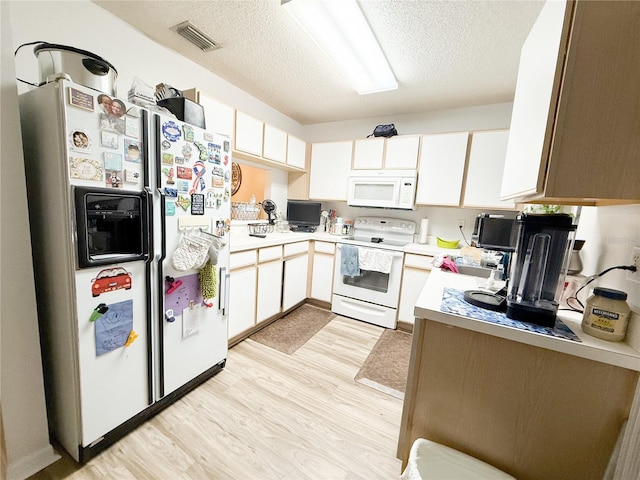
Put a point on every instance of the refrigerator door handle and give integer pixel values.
(224, 290)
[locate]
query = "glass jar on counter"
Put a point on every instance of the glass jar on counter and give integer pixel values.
(606, 314)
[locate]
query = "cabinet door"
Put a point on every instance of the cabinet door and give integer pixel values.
(330, 165)
(441, 170)
(249, 132)
(296, 152)
(218, 116)
(368, 153)
(295, 281)
(402, 152)
(485, 170)
(242, 300)
(269, 290)
(413, 281)
(275, 144)
(322, 278)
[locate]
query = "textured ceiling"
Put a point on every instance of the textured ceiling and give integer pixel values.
(445, 54)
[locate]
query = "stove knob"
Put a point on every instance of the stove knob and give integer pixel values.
(403, 226)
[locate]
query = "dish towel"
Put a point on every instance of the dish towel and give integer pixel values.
(349, 261)
(374, 259)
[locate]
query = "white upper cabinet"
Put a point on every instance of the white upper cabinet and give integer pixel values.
(574, 127)
(275, 144)
(330, 165)
(368, 153)
(249, 132)
(441, 169)
(401, 152)
(296, 152)
(218, 116)
(484, 170)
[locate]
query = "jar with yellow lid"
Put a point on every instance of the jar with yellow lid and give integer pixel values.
(606, 314)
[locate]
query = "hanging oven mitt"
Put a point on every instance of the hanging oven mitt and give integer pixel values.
(208, 282)
(192, 252)
(216, 245)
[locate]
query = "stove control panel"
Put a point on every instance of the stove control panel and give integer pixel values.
(385, 224)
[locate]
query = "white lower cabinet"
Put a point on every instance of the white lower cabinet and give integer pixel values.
(295, 281)
(414, 277)
(322, 275)
(269, 302)
(242, 300)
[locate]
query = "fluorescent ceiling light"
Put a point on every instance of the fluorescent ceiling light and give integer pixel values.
(341, 31)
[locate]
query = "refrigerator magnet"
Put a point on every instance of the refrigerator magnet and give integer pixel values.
(109, 139)
(165, 144)
(179, 160)
(182, 186)
(114, 178)
(100, 310)
(85, 169)
(183, 202)
(197, 204)
(131, 176)
(187, 151)
(80, 99)
(132, 150)
(217, 182)
(167, 159)
(112, 124)
(171, 131)
(169, 209)
(171, 192)
(112, 161)
(169, 316)
(207, 136)
(80, 141)
(210, 200)
(185, 173)
(203, 151)
(225, 146)
(132, 127)
(187, 132)
(169, 173)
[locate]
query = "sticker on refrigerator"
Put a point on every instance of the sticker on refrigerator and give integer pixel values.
(110, 279)
(191, 319)
(132, 150)
(178, 160)
(171, 131)
(79, 140)
(80, 99)
(85, 169)
(112, 329)
(109, 139)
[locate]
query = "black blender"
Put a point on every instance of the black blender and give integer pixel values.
(539, 266)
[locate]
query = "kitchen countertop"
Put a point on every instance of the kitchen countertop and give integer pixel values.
(429, 303)
(240, 240)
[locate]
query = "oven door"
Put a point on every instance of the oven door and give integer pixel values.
(370, 286)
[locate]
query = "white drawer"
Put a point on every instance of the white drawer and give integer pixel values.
(418, 261)
(325, 247)
(295, 248)
(241, 259)
(269, 253)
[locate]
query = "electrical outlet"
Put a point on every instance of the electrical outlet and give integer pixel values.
(461, 223)
(635, 260)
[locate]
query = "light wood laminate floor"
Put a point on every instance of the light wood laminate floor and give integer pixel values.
(267, 415)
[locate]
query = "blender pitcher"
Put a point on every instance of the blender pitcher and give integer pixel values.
(539, 266)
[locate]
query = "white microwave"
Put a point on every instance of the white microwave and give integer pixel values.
(382, 188)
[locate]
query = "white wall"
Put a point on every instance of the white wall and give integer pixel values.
(24, 416)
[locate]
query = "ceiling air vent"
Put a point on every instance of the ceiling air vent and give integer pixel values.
(195, 36)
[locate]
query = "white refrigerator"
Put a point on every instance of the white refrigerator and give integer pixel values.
(129, 213)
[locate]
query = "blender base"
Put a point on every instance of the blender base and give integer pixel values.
(537, 316)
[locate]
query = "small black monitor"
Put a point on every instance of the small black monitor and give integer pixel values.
(495, 233)
(303, 214)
